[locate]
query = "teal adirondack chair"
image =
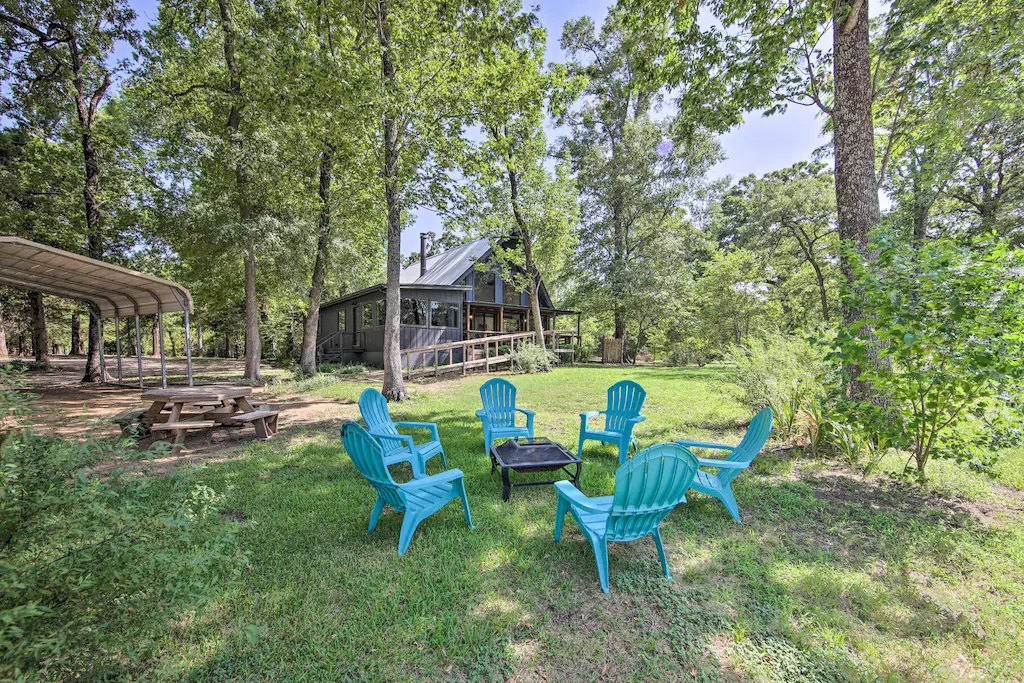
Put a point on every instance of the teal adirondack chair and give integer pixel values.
(417, 499)
(399, 447)
(625, 399)
(499, 412)
(720, 485)
(647, 488)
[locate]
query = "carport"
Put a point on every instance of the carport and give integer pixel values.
(110, 291)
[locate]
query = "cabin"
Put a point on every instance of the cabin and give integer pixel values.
(446, 299)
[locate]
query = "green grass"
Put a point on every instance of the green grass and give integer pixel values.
(829, 578)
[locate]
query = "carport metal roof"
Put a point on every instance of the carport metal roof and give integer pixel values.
(116, 291)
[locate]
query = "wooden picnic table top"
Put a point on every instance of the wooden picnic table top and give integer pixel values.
(210, 392)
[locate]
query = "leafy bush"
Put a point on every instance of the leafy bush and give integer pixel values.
(342, 369)
(88, 561)
(529, 357)
(946, 334)
(781, 371)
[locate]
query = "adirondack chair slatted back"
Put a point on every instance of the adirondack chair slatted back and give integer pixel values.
(368, 457)
(647, 488)
(374, 409)
(499, 399)
(756, 437)
(625, 400)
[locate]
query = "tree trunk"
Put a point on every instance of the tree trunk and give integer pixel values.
(310, 326)
(528, 262)
(253, 343)
(76, 333)
(40, 338)
(199, 340)
(618, 258)
(94, 230)
(3, 334)
(394, 385)
(155, 336)
(854, 142)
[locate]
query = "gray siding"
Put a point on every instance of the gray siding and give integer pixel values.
(412, 336)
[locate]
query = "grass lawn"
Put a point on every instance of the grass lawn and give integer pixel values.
(830, 577)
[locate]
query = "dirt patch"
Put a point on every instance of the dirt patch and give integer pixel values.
(839, 486)
(234, 516)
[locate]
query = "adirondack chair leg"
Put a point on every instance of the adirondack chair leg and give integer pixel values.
(375, 515)
(465, 502)
(661, 554)
(444, 461)
(623, 453)
(487, 443)
(563, 507)
(727, 497)
(409, 524)
(418, 468)
(579, 448)
(601, 555)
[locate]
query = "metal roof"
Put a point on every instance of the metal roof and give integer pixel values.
(116, 291)
(447, 267)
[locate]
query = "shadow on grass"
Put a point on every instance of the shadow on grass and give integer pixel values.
(789, 594)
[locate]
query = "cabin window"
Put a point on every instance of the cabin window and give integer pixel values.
(382, 309)
(483, 289)
(484, 321)
(510, 295)
(444, 314)
(367, 315)
(341, 320)
(414, 312)
(513, 323)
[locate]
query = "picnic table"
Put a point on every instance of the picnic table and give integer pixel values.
(178, 410)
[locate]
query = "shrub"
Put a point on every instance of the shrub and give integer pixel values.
(529, 357)
(87, 562)
(342, 369)
(782, 371)
(945, 339)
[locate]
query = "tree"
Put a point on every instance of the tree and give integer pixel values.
(57, 53)
(948, 105)
(428, 58)
(792, 210)
(528, 212)
(199, 83)
(632, 177)
(763, 54)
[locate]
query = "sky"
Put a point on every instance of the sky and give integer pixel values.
(758, 145)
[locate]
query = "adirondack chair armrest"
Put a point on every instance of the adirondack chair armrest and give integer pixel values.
(421, 425)
(527, 413)
(576, 497)
(433, 480)
(705, 444)
(637, 420)
(722, 464)
(407, 440)
(585, 417)
(482, 414)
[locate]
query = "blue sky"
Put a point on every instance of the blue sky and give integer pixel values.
(758, 145)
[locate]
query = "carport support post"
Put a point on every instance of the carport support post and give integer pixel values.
(103, 363)
(188, 347)
(117, 340)
(163, 357)
(138, 346)
(117, 344)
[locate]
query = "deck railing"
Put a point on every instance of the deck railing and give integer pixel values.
(439, 358)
